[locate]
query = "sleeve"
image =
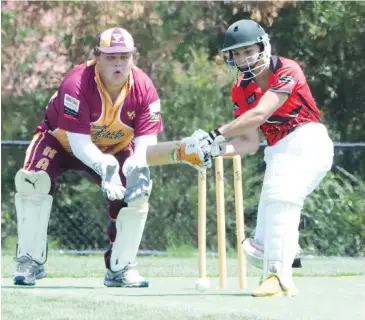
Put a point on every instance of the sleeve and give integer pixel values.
(74, 110)
(139, 156)
(148, 118)
(84, 149)
(286, 78)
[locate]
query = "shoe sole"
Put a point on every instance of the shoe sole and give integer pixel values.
(112, 284)
(292, 292)
(281, 293)
(20, 281)
(297, 263)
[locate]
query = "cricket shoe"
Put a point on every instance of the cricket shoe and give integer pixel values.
(128, 277)
(27, 271)
(271, 287)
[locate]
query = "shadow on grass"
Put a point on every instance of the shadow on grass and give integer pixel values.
(46, 287)
(182, 294)
(108, 291)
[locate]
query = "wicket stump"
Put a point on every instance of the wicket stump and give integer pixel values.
(221, 221)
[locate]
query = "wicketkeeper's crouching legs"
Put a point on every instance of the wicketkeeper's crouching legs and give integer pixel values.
(33, 207)
(125, 232)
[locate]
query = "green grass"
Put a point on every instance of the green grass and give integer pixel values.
(63, 305)
(174, 266)
(74, 290)
(9, 243)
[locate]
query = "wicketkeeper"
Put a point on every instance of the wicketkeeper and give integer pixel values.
(103, 120)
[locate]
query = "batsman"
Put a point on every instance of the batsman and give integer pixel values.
(103, 120)
(271, 93)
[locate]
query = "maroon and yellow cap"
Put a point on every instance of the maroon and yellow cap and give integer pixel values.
(115, 40)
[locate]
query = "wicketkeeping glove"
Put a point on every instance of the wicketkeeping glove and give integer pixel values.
(138, 186)
(108, 169)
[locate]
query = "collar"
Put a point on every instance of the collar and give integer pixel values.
(244, 83)
(91, 62)
(275, 63)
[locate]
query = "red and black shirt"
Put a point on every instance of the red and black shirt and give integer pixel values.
(299, 108)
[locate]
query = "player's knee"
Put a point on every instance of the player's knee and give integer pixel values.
(37, 182)
(132, 213)
(291, 194)
(135, 210)
(115, 207)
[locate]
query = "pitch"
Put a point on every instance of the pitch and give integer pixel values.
(329, 289)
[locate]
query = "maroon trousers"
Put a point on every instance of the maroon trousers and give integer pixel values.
(47, 154)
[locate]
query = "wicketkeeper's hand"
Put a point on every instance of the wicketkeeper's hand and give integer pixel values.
(139, 183)
(191, 153)
(108, 169)
(210, 142)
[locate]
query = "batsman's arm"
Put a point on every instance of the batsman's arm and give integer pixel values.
(163, 153)
(245, 144)
(254, 118)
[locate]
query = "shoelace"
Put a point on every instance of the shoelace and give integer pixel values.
(129, 270)
(26, 264)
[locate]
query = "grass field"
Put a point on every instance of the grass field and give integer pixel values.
(329, 289)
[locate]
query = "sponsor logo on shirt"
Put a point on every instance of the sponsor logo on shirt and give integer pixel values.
(251, 98)
(71, 106)
(155, 117)
(286, 79)
(236, 107)
(155, 109)
(102, 132)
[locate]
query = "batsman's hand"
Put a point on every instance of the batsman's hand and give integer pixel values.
(108, 169)
(190, 152)
(210, 142)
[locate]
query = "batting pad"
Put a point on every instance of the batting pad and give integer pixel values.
(33, 208)
(130, 226)
(281, 238)
(32, 182)
(254, 253)
(260, 223)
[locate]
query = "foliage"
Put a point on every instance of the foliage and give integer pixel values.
(334, 216)
(179, 44)
(326, 36)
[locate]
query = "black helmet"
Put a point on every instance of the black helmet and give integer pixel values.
(244, 33)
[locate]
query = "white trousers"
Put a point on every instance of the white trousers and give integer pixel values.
(294, 168)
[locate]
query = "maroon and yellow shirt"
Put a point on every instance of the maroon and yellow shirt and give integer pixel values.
(299, 108)
(82, 105)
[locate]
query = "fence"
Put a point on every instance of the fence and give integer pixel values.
(79, 216)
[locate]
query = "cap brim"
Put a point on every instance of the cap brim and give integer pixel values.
(115, 49)
(240, 45)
